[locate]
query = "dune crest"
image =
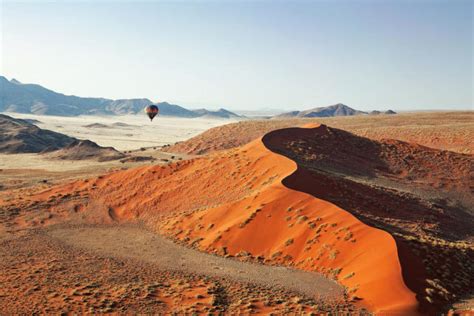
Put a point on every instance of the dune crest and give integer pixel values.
(234, 203)
(288, 227)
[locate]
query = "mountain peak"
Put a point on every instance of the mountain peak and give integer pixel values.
(340, 106)
(32, 98)
(338, 109)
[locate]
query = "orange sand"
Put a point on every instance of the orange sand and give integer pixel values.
(369, 254)
(235, 199)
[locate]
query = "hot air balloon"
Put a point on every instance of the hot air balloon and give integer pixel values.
(151, 111)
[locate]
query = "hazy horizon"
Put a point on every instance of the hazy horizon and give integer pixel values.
(247, 56)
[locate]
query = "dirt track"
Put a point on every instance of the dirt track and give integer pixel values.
(138, 244)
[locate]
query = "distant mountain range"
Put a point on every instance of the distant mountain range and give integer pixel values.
(32, 98)
(375, 112)
(329, 111)
(222, 113)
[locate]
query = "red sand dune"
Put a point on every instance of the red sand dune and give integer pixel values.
(293, 228)
(254, 212)
(419, 194)
(234, 203)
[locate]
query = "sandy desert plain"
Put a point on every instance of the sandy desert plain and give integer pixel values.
(346, 215)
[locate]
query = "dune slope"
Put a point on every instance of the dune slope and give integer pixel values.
(264, 202)
(419, 195)
(284, 226)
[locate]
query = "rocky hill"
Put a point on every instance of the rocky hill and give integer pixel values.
(86, 149)
(20, 136)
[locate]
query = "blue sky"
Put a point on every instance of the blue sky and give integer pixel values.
(404, 55)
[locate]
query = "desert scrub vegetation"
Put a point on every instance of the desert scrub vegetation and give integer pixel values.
(270, 180)
(448, 267)
(334, 273)
(302, 219)
(218, 237)
(348, 236)
(321, 228)
(250, 218)
(276, 254)
(196, 241)
(333, 254)
(243, 253)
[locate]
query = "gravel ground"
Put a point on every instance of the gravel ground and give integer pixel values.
(137, 243)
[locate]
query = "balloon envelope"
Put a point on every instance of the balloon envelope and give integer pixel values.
(151, 111)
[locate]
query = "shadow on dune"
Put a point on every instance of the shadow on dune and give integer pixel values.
(329, 163)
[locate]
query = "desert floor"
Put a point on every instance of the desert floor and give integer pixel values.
(55, 257)
(134, 134)
(83, 267)
(127, 269)
(125, 132)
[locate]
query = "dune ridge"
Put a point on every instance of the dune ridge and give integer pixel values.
(452, 131)
(417, 194)
(236, 203)
(283, 226)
